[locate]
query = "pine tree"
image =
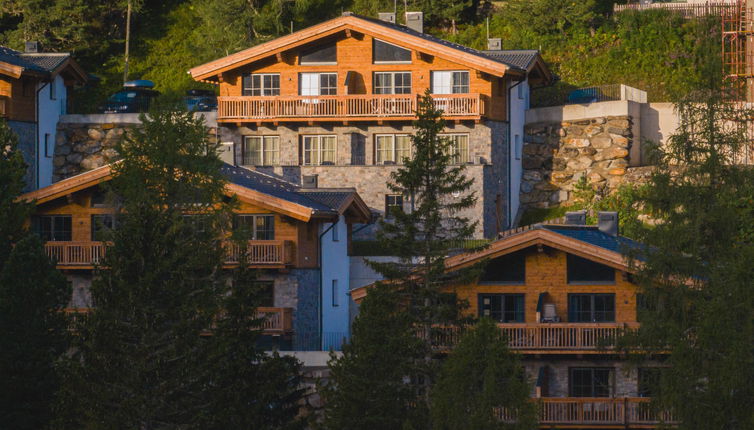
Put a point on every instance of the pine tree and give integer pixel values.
(479, 379)
(12, 212)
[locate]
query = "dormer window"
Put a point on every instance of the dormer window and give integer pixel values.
(323, 54)
(386, 53)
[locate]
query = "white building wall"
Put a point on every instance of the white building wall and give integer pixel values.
(519, 104)
(335, 280)
(52, 104)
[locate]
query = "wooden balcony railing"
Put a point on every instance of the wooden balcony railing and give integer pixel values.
(544, 337)
(276, 320)
(623, 411)
(76, 253)
(3, 106)
(353, 107)
(262, 253)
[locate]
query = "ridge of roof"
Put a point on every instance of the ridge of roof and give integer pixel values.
(521, 58)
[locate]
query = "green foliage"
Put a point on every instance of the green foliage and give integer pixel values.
(367, 387)
(12, 172)
(481, 375)
(626, 200)
(535, 215)
(34, 334)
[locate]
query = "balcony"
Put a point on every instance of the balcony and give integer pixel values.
(85, 255)
(277, 321)
(3, 107)
(624, 412)
(546, 338)
(344, 108)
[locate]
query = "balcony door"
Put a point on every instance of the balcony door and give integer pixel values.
(504, 308)
(53, 228)
(591, 381)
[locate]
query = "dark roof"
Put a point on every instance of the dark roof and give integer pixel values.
(591, 234)
(430, 38)
(320, 200)
(38, 62)
(521, 58)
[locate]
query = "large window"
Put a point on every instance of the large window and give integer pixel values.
(392, 148)
(450, 82)
(102, 225)
(392, 82)
(261, 84)
(266, 293)
(591, 307)
(384, 52)
(261, 150)
(393, 202)
(591, 381)
(55, 228)
(323, 54)
(505, 308)
(318, 150)
(458, 147)
(258, 227)
(318, 84)
(508, 269)
(583, 271)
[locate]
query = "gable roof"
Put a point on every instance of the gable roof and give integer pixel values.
(250, 186)
(44, 64)
(527, 59)
(393, 33)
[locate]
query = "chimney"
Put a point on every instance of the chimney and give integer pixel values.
(495, 44)
(415, 21)
(32, 47)
(309, 181)
(607, 222)
(575, 218)
(387, 17)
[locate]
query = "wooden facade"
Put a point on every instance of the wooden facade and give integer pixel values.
(18, 98)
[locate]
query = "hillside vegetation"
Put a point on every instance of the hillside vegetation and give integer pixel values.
(583, 43)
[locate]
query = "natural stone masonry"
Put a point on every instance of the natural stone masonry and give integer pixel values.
(557, 155)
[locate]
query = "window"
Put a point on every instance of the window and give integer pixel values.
(508, 269)
(318, 84)
(591, 381)
(259, 227)
(450, 82)
(521, 90)
(458, 147)
(517, 146)
(384, 52)
(102, 225)
(266, 290)
(505, 308)
(261, 84)
(53, 90)
(392, 82)
(323, 54)
(391, 148)
(261, 150)
(48, 146)
(335, 298)
(56, 228)
(649, 381)
(583, 271)
(591, 307)
(318, 150)
(393, 202)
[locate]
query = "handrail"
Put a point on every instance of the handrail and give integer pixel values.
(273, 252)
(276, 319)
(594, 411)
(76, 253)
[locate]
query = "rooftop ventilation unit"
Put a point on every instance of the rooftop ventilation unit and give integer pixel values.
(309, 181)
(495, 44)
(607, 222)
(387, 17)
(575, 218)
(415, 21)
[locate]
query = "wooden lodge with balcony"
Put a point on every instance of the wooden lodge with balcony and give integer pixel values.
(287, 246)
(562, 295)
(338, 99)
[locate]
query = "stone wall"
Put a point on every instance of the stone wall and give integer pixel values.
(558, 154)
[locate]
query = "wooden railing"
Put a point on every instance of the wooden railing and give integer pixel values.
(687, 10)
(351, 106)
(542, 337)
(3, 106)
(276, 320)
(624, 411)
(76, 253)
(262, 252)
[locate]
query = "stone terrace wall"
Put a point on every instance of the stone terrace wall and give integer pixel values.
(558, 154)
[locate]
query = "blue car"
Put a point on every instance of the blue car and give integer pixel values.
(135, 97)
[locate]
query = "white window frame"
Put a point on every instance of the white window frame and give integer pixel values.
(388, 205)
(521, 93)
(313, 87)
(458, 156)
(391, 87)
(517, 146)
(264, 91)
(443, 82)
(269, 151)
(391, 153)
(390, 62)
(49, 150)
(313, 151)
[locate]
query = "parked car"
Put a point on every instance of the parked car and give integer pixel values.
(200, 100)
(135, 97)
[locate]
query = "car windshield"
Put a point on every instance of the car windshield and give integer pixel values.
(123, 96)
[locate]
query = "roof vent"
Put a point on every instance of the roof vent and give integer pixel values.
(495, 44)
(575, 218)
(309, 181)
(32, 47)
(387, 17)
(415, 21)
(347, 13)
(607, 222)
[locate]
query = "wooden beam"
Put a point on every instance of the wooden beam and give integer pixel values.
(348, 33)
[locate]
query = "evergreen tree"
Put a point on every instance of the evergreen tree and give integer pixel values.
(481, 377)
(12, 212)
(696, 272)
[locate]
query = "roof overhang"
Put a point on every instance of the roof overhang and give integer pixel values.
(210, 71)
(11, 70)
